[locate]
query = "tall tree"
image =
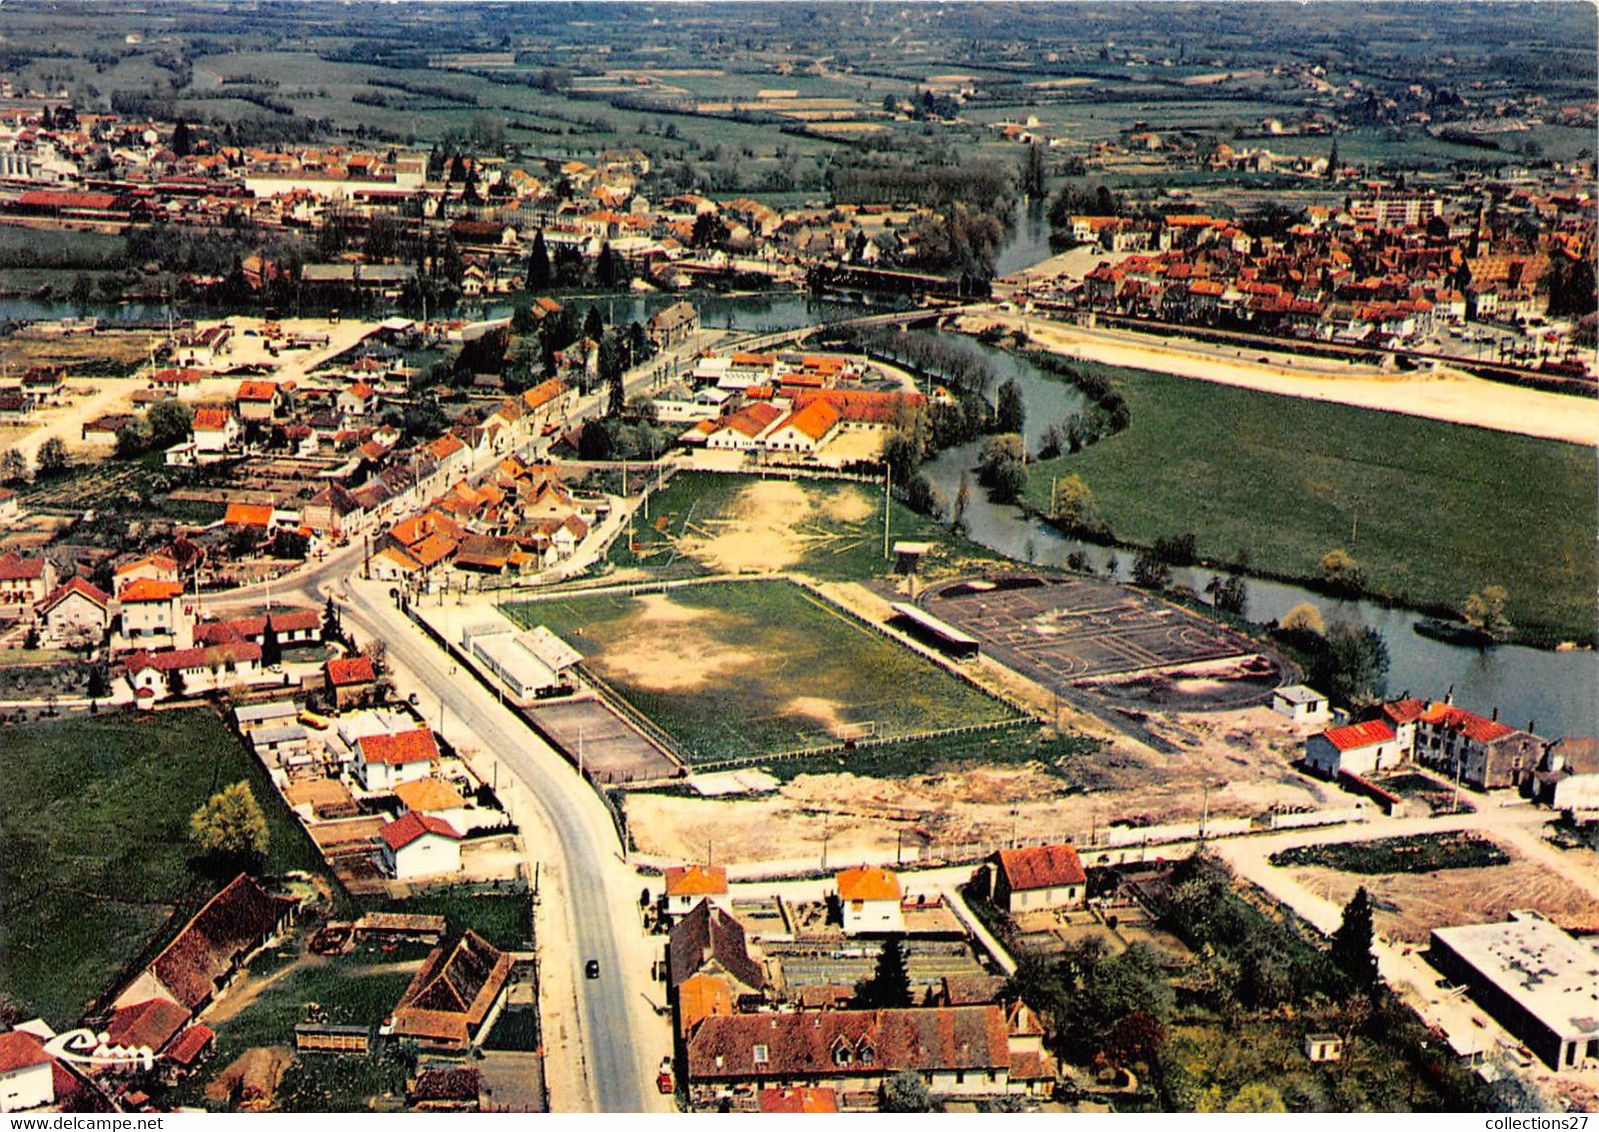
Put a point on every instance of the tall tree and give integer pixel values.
(594, 324)
(1009, 409)
(1484, 609)
(1034, 176)
(182, 140)
(1351, 943)
(231, 828)
(890, 985)
(538, 264)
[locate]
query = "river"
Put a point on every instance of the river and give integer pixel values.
(1558, 691)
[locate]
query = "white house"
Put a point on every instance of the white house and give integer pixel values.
(687, 885)
(870, 898)
(189, 671)
(27, 1074)
(1359, 748)
(383, 761)
(419, 845)
(215, 429)
(152, 609)
(1041, 876)
(76, 611)
(1302, 704)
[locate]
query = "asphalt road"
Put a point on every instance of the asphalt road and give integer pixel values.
(582, 870)
(586, 853)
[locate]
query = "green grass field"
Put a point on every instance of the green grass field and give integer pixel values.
(1443, 509)
(95, 855)
(830, 531)
(737, 670)
(499, 917)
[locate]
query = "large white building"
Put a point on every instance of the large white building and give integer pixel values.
(1540, 983)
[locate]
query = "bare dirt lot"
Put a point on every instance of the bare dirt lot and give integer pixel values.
(1410, 906)
(1243, 756)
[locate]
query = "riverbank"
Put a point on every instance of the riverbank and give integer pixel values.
(1430, 511)
(1442, 395)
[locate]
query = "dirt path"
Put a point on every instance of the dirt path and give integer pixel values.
(1444, 395)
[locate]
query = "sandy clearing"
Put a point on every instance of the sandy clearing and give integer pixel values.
(847, 505)
(1444, 395)
(1410, 906)
(671, 659)
(660, 608)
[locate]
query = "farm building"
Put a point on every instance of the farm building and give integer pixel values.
(1302, 704)
(454, 994)
(1358, 748)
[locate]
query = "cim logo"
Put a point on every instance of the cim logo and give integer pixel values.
(85, 1047)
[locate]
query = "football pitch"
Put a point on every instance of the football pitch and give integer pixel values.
(743, 670)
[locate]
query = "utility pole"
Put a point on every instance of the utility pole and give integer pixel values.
(888, 503)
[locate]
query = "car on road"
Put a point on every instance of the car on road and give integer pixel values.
(591, 969)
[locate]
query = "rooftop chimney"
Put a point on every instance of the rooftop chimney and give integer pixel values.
(1496, 713)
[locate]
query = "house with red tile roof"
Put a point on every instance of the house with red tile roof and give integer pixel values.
(687, 885)
(150, 1024)
(1355, 748)
(215, 429)
(152, 611)
(957, 1051)
(351, 680)
(1040, 876)
(870, 899)
(188, 671)
(453, 995)
(27, 1073)
(159, 567)
(805, 430)
(258, 401)
(709, 941)
(419, 845)
(1481, 752)
(212, 947)
(385, 760)
(744, 429)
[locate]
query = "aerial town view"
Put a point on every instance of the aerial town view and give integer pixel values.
(798, 557)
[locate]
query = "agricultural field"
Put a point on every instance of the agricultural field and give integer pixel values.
(95, 855)
(1283, 477)
(705, 523)
(139, 487)
(110, 354)
(740, 670)
(1423, 853)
